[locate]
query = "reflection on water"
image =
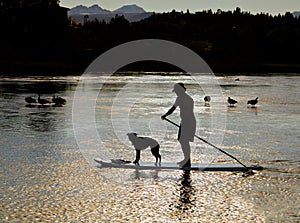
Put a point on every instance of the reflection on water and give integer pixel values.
(254, 110)
(41, 121)
(186, 192)
(44, 177)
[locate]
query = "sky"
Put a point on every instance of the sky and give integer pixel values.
(254, 6)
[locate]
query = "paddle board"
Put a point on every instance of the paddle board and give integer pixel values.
(118, 163)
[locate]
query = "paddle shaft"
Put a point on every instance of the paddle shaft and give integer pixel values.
(221, 150)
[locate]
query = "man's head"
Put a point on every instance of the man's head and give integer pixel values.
(179, 88)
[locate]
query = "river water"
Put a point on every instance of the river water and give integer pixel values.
(47, 169)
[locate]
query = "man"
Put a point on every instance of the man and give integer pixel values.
(187, 127)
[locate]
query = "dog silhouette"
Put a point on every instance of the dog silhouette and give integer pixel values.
(141, 143)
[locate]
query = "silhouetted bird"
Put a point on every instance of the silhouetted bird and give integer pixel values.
(58, 100)
(253, 102)
(30, 100)
(207, 99)
(231, 101)
(43, 101)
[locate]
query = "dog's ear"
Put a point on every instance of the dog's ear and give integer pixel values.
(132, 133)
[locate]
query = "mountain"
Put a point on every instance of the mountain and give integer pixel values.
(129, 9)
(296, 14)
(132, 13)
(94, 9)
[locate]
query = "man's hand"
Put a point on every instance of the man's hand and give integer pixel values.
(163, 117)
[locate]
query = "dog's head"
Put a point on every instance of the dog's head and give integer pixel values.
(132, 136)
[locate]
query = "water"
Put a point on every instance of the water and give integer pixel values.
(47, 177)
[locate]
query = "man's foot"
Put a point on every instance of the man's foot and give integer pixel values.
(181, 162)
(184, 163)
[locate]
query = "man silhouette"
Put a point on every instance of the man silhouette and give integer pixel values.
(187, 127)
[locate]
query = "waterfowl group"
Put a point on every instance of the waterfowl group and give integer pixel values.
(42, 101)
(232, 101)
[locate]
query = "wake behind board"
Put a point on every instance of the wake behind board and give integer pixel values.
(174, 166)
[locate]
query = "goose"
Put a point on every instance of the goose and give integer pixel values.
(253, 102)
(30, 100)
(231, 101)
(58, 100)
(207, 99)
(43, 101)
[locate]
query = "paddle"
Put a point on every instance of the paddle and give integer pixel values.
(249, 171)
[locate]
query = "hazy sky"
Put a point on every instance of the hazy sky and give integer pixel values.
(254, 6)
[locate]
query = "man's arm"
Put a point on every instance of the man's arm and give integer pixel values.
(171, 110)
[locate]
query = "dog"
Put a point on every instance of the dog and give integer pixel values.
(141, 143)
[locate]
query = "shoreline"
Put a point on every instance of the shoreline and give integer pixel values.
(55, 68)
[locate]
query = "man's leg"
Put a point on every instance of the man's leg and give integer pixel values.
(186, 149)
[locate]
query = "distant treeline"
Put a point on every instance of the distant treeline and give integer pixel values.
(40, 38)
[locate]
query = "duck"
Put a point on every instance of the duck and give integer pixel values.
(207, 99)
(253, 102)
(30, 100)
(43, 101)
(58, 100)
(231, 101)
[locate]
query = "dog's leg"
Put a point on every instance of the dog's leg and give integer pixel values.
(137, 157)
(159, 156)
(155, 153)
